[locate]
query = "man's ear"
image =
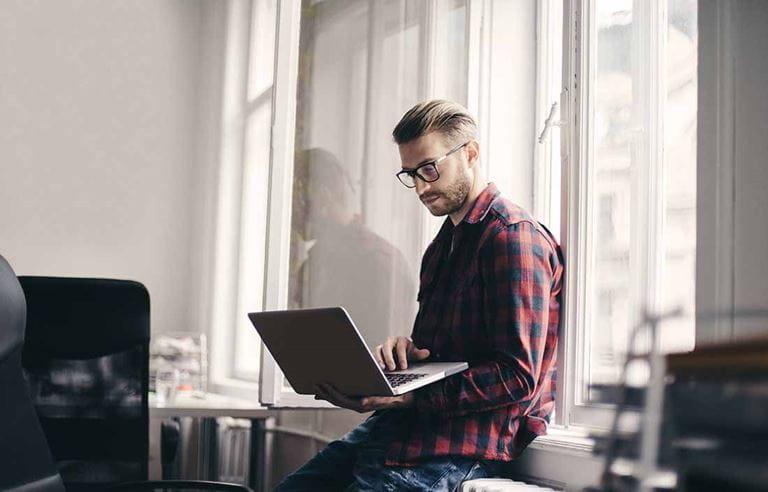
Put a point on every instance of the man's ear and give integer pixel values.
(473, 153)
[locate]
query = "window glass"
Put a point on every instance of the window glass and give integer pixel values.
(357, 234)
(641, 190)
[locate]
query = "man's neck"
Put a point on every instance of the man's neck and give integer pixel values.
(477, 188)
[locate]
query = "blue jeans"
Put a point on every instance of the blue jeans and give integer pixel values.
(356, 463)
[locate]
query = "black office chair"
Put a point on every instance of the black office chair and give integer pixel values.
(25, 461)
(87, 359)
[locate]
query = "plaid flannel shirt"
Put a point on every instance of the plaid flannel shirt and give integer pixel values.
(490, 294)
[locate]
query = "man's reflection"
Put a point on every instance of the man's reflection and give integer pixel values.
(337, 261)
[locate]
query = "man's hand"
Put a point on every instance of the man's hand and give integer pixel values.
(326, 391)
(396, 352)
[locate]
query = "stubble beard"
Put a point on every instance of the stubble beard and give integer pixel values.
(453, 197)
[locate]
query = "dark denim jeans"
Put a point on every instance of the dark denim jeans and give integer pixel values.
(356, 463)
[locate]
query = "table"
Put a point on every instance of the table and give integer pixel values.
(208, 406)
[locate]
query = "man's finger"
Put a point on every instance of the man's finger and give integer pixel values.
(377, 355)
(419, 354)
(402, 352)
(386, 352)
(339, 399)
(321, 394)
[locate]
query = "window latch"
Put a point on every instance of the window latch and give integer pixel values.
(548, 123)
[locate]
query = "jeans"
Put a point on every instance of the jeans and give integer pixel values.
(356, 463)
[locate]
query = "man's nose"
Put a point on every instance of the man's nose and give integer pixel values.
(421, 186)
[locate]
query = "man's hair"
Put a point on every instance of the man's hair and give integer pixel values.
(449, 118)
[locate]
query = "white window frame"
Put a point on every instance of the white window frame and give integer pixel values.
(280, 184)
(578, 89)
(577, 144)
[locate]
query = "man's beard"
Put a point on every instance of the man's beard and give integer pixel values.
(452, 198)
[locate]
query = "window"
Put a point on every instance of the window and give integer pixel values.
(240, 236)
(343, 230)
(630, 194)
(617, 186)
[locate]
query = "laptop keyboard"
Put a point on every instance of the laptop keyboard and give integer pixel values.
(401, 379)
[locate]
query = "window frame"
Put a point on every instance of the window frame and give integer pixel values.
(577, 149)
(280, 185)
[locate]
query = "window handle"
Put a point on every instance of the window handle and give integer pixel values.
(548, 123)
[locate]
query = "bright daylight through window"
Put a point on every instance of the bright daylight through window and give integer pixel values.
(637, 190)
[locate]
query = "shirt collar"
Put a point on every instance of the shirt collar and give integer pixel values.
(482, 204)
(475, 214)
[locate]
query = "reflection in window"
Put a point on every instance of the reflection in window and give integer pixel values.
(357, 235)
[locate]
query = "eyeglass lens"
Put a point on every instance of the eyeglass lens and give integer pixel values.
(428, 173)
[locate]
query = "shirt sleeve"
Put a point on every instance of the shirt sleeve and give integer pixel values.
(518, 267)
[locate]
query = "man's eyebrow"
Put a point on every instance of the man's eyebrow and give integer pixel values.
(425, 161)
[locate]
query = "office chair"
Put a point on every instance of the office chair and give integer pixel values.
(87, 360)
(26, 464)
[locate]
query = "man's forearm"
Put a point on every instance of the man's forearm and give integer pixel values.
(480, 388)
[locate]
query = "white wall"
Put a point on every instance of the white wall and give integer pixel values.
(732, 270)
(103, 156)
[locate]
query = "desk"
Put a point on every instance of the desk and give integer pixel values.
(210, 405)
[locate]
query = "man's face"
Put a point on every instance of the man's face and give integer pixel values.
(448, 194)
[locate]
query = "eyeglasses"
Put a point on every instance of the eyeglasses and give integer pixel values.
(426, 171)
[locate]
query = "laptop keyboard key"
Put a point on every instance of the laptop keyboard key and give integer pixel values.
(401, 379)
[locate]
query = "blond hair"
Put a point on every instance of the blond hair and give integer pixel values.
(449, 118)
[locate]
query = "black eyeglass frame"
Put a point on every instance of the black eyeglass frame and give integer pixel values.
(414, 173)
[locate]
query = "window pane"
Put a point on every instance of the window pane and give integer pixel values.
(612, 193)
(642, 178)
(678, 247)
(357, 233)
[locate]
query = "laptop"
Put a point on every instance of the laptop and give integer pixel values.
(324, 345)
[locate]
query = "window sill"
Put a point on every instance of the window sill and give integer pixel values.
(236, 388)
(572, 440)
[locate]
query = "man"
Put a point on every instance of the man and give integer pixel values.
(490, 293)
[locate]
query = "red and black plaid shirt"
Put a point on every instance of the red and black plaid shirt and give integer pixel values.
(490, 295)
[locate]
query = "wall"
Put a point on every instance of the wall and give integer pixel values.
(732, 272)
(101, 153)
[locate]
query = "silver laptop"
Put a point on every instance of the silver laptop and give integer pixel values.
(323, 345)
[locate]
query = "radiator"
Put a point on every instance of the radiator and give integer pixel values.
(234, 446)
(500, 485)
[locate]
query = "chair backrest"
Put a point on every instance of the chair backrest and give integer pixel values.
(86, 356)
(25, 461)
